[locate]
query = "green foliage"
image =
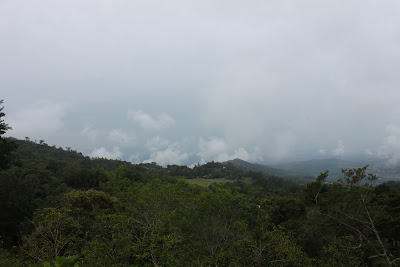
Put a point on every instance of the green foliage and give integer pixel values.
(60, 262)
(55, 233)
(388, 187)
(3, 126)
(22, 190)
(342, 253)
(314, 189)
(220, 222)
(207, 182)
(112, 213)
(351, 218)
(7, 145)
(356, 176)
(8, 258)
(65, 230)
(277, 248)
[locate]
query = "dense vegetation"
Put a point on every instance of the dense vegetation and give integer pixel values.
(58, 207)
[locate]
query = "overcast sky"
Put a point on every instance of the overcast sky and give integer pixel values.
(181, 82)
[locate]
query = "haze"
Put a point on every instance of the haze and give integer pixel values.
(181, 82)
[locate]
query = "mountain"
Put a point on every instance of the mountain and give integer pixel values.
(68, 161)
(316, 166)
(270, 171)
(259, 168)
(304, 171)
(301, 170)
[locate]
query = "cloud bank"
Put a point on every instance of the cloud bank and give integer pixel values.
(147, 122)
(194, 81)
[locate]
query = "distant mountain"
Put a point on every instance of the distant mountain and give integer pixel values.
(259, 168)
(316, 166)
(308, 169)
(301, 170)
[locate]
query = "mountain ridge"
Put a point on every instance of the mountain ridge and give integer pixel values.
(313, 167)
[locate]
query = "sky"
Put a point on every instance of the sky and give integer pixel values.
(185, 82)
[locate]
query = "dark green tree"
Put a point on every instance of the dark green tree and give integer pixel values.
(351, 217)
(6, 146)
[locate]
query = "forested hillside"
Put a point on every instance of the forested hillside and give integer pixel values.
(58, 203)
(289, 175)
(61, 208)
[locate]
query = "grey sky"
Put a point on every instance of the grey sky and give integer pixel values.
(194, 81)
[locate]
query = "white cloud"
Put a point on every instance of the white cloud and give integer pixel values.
(91, 133)
(369, 152)
(41, 119)
(146, 121)
(156, 143)
(217, 149)
(121, 137)
(285, 144)
(339, 150)
(390, 149)
(286, 77)
(170, 155)
(103, 153)
(164, 151)
(240, 153)
(212, 148)
(134, 158)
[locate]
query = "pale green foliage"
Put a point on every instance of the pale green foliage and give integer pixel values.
(145, 230)
(344, 252)
(55, 232)
(62, 231)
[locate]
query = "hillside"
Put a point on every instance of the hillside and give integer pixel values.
(280, 172)
(259, 168)
(57, 205)
(66, 161)
(306, 171)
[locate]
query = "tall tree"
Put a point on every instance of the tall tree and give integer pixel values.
(6, 146)
(353, 219)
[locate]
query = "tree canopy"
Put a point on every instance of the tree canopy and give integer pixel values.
(60, 208)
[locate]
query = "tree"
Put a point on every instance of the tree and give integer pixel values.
(64, 231)
(313, 190)
(3, 126)
(55, 235)
(6, 146)
(352, 215)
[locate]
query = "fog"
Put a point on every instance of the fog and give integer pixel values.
(181, 82)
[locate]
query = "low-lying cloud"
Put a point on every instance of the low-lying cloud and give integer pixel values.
(39, 120)
(102, 152)
(90, 133)
(170, 155)
(390, 149)
(146, 121)
(121, 137)
(339, 150)
(264, 81)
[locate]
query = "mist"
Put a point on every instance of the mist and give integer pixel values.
(187, 82)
